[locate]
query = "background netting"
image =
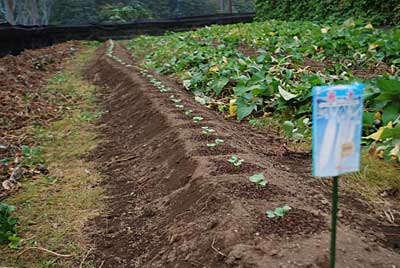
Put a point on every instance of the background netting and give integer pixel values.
(78, 12)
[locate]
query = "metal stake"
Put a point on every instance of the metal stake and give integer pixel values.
(335, 197)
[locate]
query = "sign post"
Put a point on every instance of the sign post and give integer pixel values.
(335, 201)
(337, 126)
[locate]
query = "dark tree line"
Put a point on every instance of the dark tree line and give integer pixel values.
(44, 12)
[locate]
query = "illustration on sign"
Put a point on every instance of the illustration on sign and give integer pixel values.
(337, 125)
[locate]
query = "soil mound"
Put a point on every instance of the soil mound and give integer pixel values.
(171, 206)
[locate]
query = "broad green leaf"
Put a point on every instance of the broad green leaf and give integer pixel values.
(392, 133)
(371, 93)
(244, 108)
(218, 84)
(391, 112)
(240, 89)
(261, 57)
(368, 118)
(288, 127)
(389, 86)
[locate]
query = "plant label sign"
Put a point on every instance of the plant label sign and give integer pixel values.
(337, 126)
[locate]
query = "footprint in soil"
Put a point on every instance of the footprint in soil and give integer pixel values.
(295, 222)
(224, 167)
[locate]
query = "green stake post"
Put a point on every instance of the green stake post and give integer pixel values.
(335, 197)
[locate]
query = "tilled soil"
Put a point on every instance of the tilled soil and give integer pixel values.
(166, 209)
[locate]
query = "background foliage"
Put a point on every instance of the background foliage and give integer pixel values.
(95, 11)
(379, 11)
(267, 70)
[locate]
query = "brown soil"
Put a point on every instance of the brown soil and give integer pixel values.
(199, 137)
(165, 209)
(295, 222)
(250, 191)
(224, 167)
(219, 150)
(365, 73)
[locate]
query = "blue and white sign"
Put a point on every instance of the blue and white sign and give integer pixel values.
(337, 126)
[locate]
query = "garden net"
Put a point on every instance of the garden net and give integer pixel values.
(83, 12)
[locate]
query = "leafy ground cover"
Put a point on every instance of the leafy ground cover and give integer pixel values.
(50, 211)
(267, 70)
(379, 11)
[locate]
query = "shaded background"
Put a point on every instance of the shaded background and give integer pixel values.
(77, 12)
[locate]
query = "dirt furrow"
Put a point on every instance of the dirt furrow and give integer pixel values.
(173, 203)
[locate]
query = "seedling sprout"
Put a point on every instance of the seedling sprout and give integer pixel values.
(236, 161)
(189, 112)
(259, 180)
(207, 131)
(219, 141)
(197, 119)
(215, 144)
(279, 212)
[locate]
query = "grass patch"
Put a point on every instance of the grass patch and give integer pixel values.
(375, 177)
(54, 209)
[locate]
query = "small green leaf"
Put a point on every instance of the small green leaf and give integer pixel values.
(258, 179)
(286, 208)
(219, 141)
(270, 214)
(280, 212)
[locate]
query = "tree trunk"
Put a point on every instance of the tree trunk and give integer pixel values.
(27, 12)
(230, 9)
(9, 10)
(222, 5)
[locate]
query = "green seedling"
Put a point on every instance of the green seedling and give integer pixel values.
(179, 106)
(197, 119)
(215, 144)
(8, 226)
(259, 180)
(176, 100)
(236, 161)
(208, 131)
(279, 212)
(211, 145)
(189, 112)
(219, 141)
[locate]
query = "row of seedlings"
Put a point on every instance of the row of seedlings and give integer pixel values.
(258, 179)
